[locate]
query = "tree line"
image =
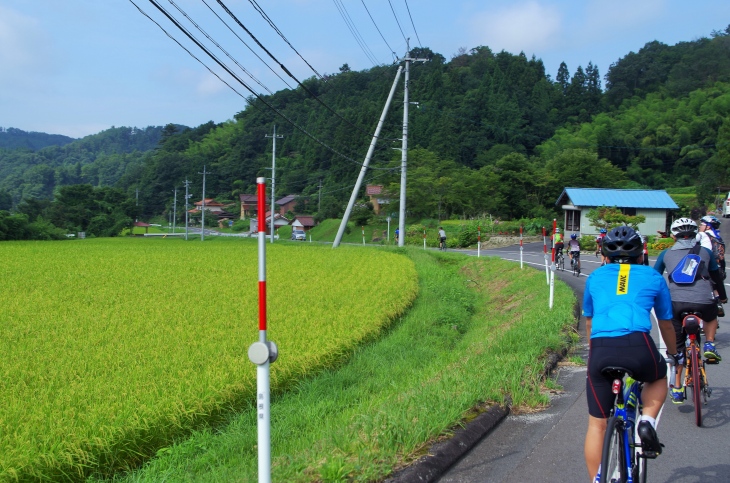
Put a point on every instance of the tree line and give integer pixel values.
(492, 133)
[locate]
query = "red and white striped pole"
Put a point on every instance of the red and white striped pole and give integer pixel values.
(544, 252)
(479, 240)
(263, 352)
(521, 267)
(552, 267)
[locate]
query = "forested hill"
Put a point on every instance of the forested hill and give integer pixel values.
(12, 138)
(29, 171)
(491, 132)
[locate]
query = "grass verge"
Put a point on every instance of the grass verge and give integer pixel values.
(478, 332)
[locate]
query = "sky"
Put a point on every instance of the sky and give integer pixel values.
(78, 67)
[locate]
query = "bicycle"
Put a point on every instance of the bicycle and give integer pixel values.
(623, 458)
(560, 261)
(575, 264)
(442, 244)
(695, 376)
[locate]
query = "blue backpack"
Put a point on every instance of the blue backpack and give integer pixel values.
(686, 270)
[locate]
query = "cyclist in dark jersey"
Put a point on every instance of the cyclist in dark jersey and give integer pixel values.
(617, 304)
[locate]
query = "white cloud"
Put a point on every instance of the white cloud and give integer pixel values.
(24, 51)
(603, 17)
(210, 85)
(527, 26)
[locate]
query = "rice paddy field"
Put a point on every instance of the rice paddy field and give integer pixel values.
(112, 348)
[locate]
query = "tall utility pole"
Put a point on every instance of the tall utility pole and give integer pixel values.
(363, 170)
(202, 210)
(404, 149)
(187, 197)
(274, 137)
(174, 211)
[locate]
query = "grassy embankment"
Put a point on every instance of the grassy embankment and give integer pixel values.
(477, 334)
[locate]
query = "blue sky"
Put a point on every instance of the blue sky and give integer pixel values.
(77, 67)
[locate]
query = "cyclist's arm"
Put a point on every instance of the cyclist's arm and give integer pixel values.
(667, 330)
(659, 264)
(719, 285)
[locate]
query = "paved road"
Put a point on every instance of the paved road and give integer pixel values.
(548, 446)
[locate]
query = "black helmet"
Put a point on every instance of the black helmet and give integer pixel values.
(622, 243)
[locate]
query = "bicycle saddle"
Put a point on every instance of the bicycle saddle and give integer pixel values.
(691, 323)
(615, 372)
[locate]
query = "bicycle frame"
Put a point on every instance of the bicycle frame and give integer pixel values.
(626, 419)
(695, 377)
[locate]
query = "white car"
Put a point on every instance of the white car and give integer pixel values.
(298, 235)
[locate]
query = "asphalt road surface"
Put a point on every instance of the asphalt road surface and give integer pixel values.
(548, 446)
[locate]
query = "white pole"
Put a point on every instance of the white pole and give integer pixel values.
(424, 239)
(404, 155)
(521, 267)
(544, 251)
(363, 234)
(552, 267)
(174, 211)
(479, 241)
(368, 156)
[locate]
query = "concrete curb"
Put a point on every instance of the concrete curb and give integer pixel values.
(443, 455)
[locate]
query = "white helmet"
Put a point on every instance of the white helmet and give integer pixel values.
(683, 228)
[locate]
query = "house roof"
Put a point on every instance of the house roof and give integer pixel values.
(286, 199)
(620, 198)
(245, 198)
(306, 220)
(208, 202)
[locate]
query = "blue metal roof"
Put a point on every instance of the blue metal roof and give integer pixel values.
(620, 198)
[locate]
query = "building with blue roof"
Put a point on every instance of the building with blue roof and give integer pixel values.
(654, 205)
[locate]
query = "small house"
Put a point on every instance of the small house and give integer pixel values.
(654, 205)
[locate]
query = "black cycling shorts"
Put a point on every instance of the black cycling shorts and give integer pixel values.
(636, 352)
(708, 312)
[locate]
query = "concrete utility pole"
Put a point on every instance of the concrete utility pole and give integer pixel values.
(187, 197)
(202, 210)
(363, 170)
(404, 148)
(274, 137)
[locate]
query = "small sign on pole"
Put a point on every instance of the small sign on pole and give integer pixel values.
(544, 252)
(479, 240)
(552, 267)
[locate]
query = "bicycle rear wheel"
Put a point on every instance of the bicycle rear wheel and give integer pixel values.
(696, 382)
(613, 459)
(638, 471)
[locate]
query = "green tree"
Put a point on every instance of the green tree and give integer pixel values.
(610, 217)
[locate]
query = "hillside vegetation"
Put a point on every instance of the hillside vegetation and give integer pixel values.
(492, 133)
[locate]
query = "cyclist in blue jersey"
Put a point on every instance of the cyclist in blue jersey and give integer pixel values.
(617, 304)
(696, 296)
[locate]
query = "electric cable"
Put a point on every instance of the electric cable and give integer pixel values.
(240, 81)
(396, 21)
(307, 90)
(276, 29)
(355, 33)
(395, 56)
(219, 46)
(247, 46)
(414, 25)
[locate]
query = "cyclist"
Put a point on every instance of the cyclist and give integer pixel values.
(696, 296)
(558, 242)
(442, 238)
(709, 237)
(573, 249)
(617, 303)
(599, 244)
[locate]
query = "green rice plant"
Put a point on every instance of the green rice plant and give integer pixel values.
(113, 348)
(476, 335)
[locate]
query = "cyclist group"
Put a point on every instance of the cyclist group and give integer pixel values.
(618, 299)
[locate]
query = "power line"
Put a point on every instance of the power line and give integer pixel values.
(219, 46)
(276, 29)
(395, 56)
(414, 25)
(396, 20)
(307, 90)
(222, 65)
(353, 30)
(247, 46)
